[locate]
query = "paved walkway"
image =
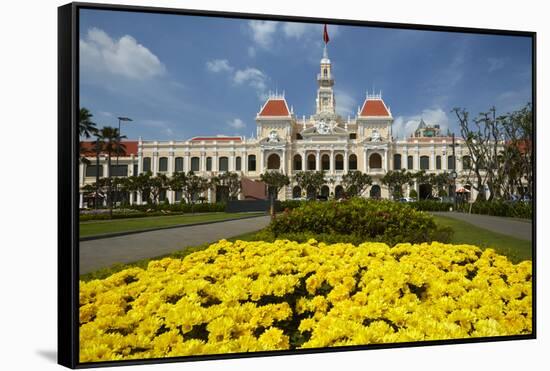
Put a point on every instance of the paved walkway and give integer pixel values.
(517, 228)
(96, 254)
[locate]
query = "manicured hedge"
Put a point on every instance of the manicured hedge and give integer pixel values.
(499, 208)
(358, 220)
(426, 205)
(141, 211)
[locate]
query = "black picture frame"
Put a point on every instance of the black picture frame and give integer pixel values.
(68, 209)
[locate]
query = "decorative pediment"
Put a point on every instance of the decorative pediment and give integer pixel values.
(324, 128)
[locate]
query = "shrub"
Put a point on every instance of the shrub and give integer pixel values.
(499, 208)
(140, 211)
(358, 220)
(258, 296)
(430, 205)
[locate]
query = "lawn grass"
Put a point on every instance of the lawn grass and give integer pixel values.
(99, 227)
(180, 254)
(515, 249)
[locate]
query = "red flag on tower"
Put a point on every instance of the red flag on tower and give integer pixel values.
(325, 35)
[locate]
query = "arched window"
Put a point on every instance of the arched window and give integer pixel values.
(325, 162)
(325, 72)
(352, 162)
(397, 162)
(238, 164)
(375, 191)
(195, 164)
(223, 164)
(296, 192)
(438, 162)
(424, 163)
(450, 162)
(339, 162)
(375, 161)
(297, 162)
(409, 162)
(251, 162)
(338, 192)
(146, 164)
(325, 191)
(179, 164)
(163, 164)
(466, 162)
(273, 162)
(209, 164)
(311, 162)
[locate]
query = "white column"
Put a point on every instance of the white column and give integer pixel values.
(131, 198)
(215, 162)
(304, 161)
(261, 167)
(170, 163)
(444, 160)
(244, 162)
(140, 163)
(106, 168)
(332, 161)
(365, 161)
(432, 160)
(186, 165)
(203, 162)
(318, 160)
(416, 160)
(81, 200)
(139, 198)
(385, 162)
(155, 162)
(231, 162)
(284, 161)
(346, 161)
(81, 174)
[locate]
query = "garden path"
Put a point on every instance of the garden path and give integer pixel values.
(102, 253)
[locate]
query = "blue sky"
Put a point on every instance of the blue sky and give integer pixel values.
(183, 76)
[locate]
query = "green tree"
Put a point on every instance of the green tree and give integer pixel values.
(177, 182)
(395, 180)
(231, 181)
(311, 179)
(86, 127)
(159, 184)
(112, 145)
(355, 183)
(275, 181)
(194, 186)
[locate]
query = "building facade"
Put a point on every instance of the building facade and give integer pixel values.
(289, 143)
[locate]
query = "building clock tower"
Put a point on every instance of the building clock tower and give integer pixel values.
(325, 92)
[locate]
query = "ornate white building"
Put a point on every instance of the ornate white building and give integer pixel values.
(290, 144)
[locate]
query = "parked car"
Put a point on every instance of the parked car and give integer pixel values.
(406, 199)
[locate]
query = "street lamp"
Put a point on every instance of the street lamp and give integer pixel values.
(120, 119)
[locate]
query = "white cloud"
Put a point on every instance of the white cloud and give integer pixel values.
(219, 65)
(236, 124)
(254, 78)
(296, 30)
(404, 126)
(495, 64)
(345, 103)
(162, 127)
(262, 32)
(123, 57)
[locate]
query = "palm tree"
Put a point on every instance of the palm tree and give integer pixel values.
(86, 127)
(112, 146)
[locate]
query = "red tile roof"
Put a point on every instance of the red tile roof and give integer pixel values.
(131, 148)
(374, 107)
(197, 139)
(275, 107)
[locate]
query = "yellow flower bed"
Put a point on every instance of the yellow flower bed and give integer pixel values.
(253, 296)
